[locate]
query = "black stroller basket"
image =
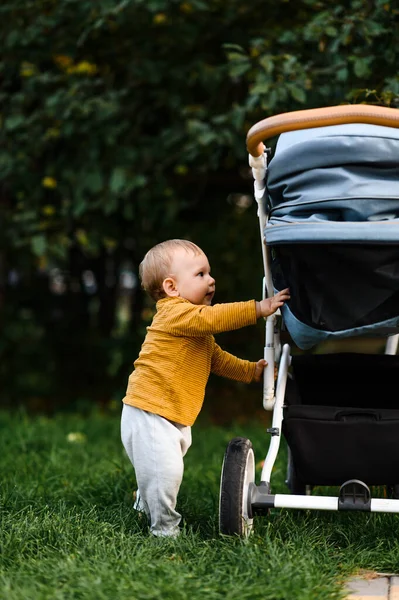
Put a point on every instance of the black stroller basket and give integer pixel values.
(340, 425)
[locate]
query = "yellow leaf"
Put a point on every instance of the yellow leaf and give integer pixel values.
(84, 67)
(63, 61)
(181, 169)
(53, 132)
(76, 437)
(27, 69)
(49, 182)
(42, 263)
(110, 244)
(186, 7)
(48, 210)
(160, 18)
(82, 238)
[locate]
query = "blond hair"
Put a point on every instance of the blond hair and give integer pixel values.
(155, 266)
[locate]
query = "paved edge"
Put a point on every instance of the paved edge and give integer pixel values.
(373, 586)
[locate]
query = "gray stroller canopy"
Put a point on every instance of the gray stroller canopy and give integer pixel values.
(335, 184)
(333, 227)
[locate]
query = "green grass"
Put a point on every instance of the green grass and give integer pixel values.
(68, 530)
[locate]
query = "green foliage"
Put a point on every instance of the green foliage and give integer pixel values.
(103, 117)
(106, 107)
(123, 123)
(322, 55)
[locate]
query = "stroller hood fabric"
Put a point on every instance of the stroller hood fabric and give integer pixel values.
(335, 184)
(333, 227)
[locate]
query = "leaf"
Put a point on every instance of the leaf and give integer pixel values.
(267, 63)
(235, 56)
(331, 31)
(128, 212)
(238, 69)
(38, 245)
(138, 181)
(94, 181)
(13, 122)
(298, 93)
(261, 88)
(361, 67)
(342, 74)
(206, 138)
(117, 180)
(79, 203)
(234, 47)
(111, 205)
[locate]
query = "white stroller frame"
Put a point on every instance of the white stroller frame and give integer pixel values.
(240, 497)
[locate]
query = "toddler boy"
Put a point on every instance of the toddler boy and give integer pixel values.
(166, 390)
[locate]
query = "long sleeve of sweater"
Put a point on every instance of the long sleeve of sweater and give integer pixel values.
(185, 319)
(227, 365)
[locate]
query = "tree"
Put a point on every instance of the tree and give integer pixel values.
(124, 124)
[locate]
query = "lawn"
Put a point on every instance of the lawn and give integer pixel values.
(68, 530)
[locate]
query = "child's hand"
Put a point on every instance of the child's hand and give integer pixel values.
(268, 306)
(260, 365)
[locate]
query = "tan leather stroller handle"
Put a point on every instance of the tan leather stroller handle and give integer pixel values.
(318, 117)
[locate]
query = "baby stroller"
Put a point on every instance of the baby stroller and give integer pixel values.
(328, 208)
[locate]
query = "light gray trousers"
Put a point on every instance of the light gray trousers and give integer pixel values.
(156, 447)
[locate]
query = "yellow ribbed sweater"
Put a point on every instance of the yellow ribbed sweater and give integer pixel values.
(178, 354)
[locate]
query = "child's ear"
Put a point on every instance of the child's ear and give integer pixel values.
(169, 287)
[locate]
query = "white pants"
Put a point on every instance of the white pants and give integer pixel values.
(156, 448)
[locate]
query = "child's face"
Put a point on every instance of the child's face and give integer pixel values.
(191, 275)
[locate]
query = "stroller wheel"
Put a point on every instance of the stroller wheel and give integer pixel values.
(238, 472)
